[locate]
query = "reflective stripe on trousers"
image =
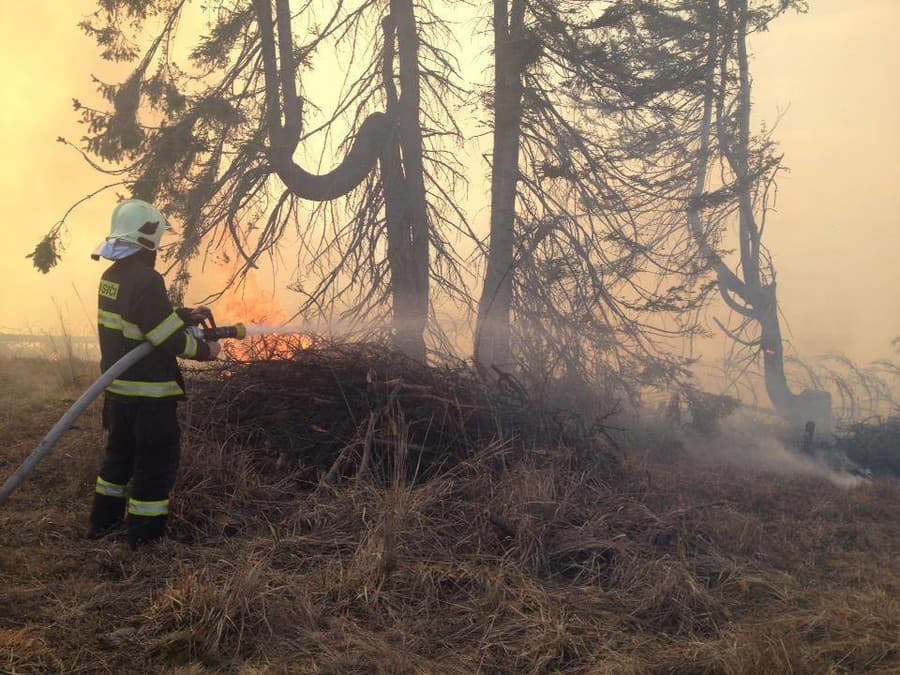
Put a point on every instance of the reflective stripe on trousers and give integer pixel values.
(108, 489)
(137, 507)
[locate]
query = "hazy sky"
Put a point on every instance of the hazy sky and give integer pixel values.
(831, 75)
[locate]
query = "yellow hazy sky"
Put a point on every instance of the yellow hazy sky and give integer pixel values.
(830, 76)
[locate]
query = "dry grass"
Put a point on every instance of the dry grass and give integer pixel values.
(511, 561)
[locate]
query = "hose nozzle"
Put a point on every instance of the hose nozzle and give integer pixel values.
(238, 332)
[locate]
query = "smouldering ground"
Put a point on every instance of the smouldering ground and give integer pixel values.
(544, 566)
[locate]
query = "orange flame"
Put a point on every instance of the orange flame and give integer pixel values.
(250, 304)
(269, 347)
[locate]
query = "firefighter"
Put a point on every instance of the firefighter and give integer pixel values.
(143, 444)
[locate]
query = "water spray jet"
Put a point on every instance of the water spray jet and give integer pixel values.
(259, 329)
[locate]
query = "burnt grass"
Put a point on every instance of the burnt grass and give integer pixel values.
(346, 512)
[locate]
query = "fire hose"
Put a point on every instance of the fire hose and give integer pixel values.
(213, 332)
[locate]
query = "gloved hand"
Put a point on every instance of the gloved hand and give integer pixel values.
(214, 349)
(194, 316)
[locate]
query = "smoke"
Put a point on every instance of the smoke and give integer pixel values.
(747, 442)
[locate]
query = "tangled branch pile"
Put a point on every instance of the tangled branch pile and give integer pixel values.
(874, 444)
(340, 408)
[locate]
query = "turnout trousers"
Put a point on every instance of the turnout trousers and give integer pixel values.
(143, 448)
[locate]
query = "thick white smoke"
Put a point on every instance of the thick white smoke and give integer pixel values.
(747, 441)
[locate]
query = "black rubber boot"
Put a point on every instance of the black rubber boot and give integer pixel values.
(145, 529)
(106, 515)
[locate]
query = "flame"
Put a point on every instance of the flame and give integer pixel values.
(251, 304)
(273, 347)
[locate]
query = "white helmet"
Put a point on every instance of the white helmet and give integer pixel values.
(135, 225)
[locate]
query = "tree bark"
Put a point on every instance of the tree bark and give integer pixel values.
(284, 137)
(492, 329)
(762, 299)
(740, 160)
(411, 315)
(772, 345)
(748, 295)
(404, 296)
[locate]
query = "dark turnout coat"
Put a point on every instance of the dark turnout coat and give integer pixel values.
(134, 307)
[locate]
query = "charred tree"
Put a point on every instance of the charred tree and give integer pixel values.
(749, 167)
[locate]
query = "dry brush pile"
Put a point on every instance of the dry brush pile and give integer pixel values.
(873, 444)
(353, 409)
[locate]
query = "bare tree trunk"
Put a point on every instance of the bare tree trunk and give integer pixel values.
(750, 296)
(761, 298)
(492, 328)
(772, 345)
(739, 159)
(404, 296)
(411, 315)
